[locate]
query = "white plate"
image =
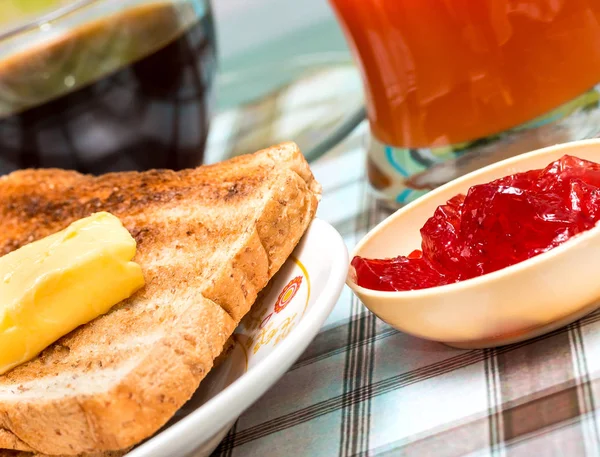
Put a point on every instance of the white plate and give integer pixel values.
(269, 340)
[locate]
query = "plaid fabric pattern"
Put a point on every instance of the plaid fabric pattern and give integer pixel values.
(365, 389)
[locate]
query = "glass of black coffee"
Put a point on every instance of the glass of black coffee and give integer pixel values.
(105, 85)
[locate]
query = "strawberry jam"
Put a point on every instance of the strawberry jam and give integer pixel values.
(495, 225)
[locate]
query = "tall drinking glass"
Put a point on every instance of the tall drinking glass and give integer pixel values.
(453, 85)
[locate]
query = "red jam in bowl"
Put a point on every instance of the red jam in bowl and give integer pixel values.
(495, 225)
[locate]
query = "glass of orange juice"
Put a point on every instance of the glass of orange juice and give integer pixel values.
(453, 85)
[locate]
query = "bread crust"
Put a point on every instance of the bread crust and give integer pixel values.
(209, 240)
(13, 453)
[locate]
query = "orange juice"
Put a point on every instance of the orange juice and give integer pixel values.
(441, 72)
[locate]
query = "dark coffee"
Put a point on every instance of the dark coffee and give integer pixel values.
(128, 92)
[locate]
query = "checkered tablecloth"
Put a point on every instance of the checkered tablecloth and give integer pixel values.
(365, 389)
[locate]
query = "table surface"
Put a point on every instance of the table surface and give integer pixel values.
(363, 388)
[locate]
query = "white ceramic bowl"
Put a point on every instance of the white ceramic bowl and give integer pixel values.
(269, 340)
(516, 303)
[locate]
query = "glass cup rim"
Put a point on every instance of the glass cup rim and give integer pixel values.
(46, 17)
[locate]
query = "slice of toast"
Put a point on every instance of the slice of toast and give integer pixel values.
(209, 240)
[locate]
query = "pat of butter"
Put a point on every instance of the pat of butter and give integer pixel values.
(53, 285)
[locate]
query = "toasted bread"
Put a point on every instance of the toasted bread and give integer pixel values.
(209, 239)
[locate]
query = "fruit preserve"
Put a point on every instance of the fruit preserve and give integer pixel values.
(493, 226)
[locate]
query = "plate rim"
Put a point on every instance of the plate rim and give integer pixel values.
(302, 62)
